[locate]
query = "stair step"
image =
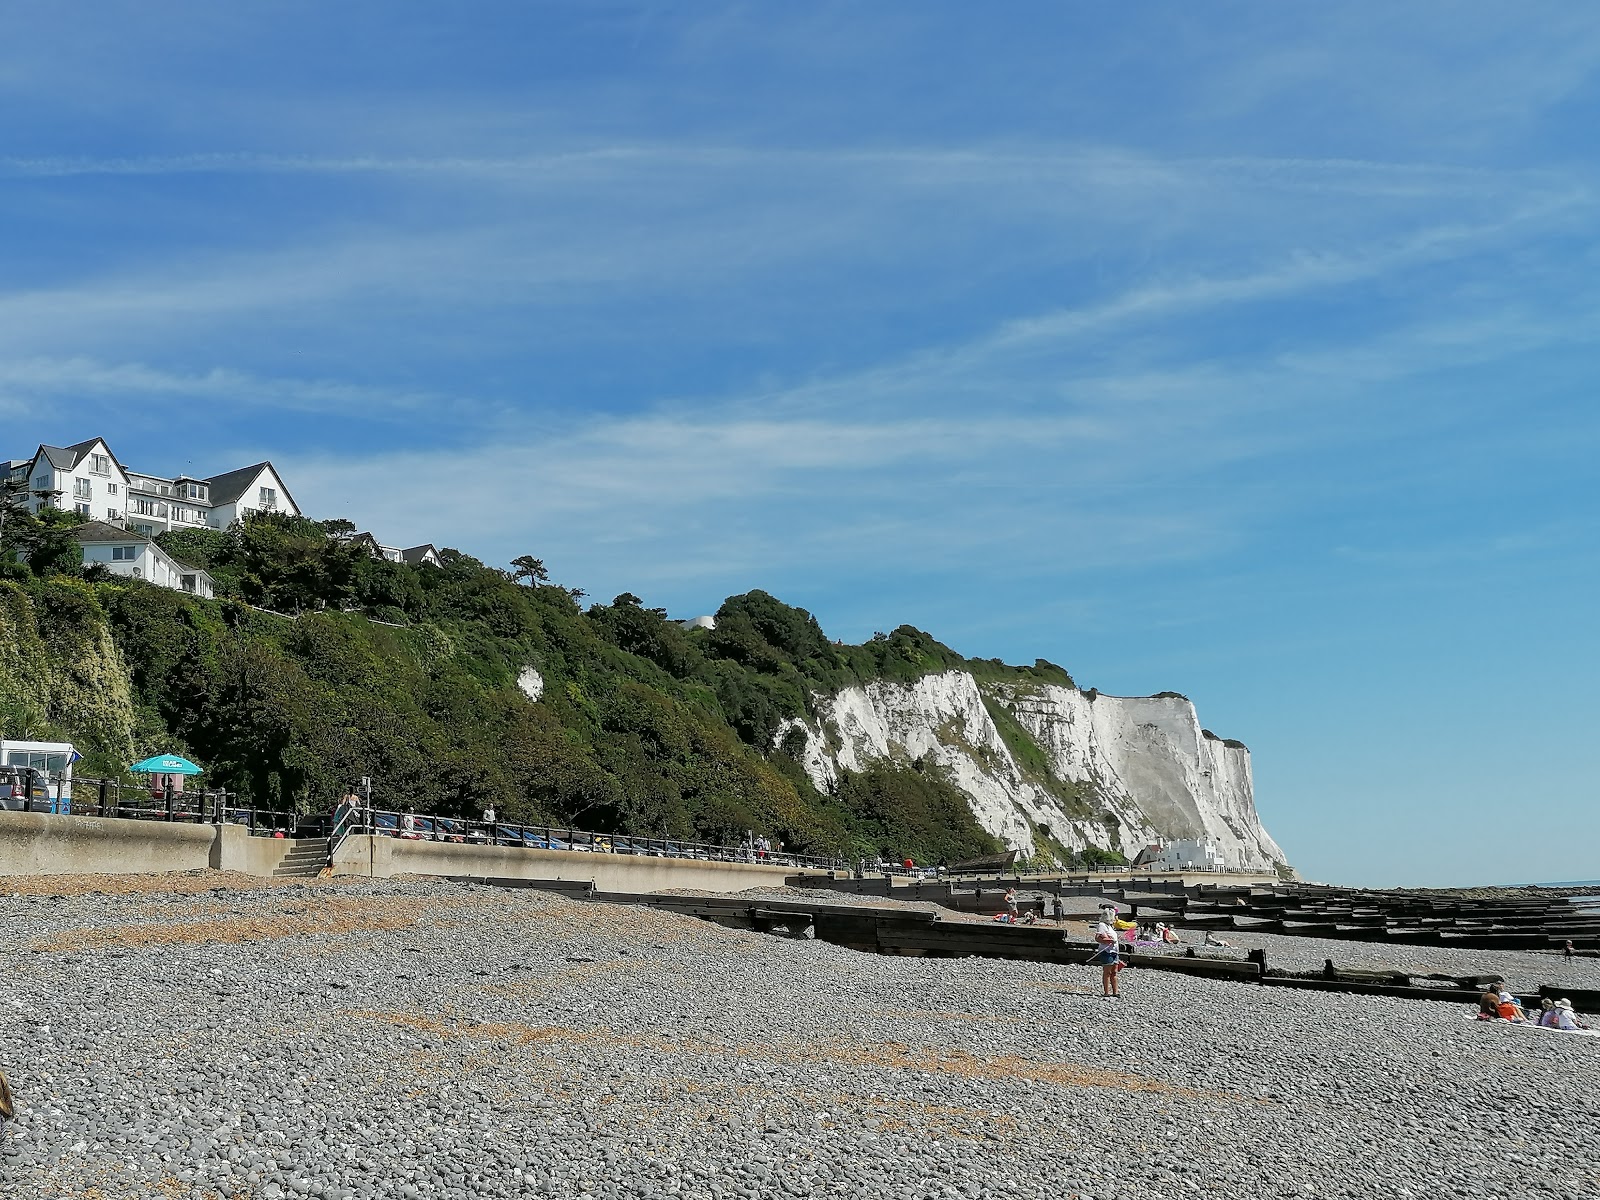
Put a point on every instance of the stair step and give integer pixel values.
(304, 858)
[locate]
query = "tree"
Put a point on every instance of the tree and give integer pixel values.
(12, 492)
(530, 568)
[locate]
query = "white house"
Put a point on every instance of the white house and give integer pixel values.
(87, 478)
(234, 495)
(128, 552)
(1184, 854)
(422, 555)
(416, 555)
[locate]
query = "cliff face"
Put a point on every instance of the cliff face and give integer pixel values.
(1082, 769)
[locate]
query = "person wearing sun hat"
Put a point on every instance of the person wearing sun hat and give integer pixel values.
(1561, 1016)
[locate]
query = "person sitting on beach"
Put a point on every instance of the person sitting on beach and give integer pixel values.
(1169, 935)
(1561, 1016)
(1489, 1002)
(1509, 1007)
(1030, 917)
(1213, 940)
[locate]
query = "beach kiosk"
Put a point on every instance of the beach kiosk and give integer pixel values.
(53, 762)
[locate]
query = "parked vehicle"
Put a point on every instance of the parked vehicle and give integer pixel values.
(24, 789)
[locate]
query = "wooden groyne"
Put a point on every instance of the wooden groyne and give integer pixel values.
(915, 932)
(1536, 921)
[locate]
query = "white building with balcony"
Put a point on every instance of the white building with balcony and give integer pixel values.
(88, 479)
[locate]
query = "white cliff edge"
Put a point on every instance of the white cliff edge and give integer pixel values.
(1127, 772)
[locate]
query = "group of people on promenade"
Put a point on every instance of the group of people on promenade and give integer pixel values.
(1498, 1004)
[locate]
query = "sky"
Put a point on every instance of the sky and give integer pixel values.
(1242, 350)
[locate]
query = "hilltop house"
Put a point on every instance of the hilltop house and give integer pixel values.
(126, 552)
(414, 555)
(136, 507)
(88, 478)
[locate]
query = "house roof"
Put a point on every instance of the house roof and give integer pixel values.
(65, 458)
(61, 458)
(417, 553)
(100, 531)
(230, 485)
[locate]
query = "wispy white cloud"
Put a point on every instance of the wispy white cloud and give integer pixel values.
(1101, 168)
(82, 378)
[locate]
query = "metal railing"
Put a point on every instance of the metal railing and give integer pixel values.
(112, 798)
(431, 827)
(139, 802)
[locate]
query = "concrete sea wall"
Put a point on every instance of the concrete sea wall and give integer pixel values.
(384, 857)
(40, 844)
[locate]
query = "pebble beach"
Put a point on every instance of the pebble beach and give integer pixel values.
(211, 1036)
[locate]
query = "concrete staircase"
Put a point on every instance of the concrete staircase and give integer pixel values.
(303, 859)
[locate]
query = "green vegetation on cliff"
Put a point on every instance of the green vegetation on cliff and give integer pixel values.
(319, 663)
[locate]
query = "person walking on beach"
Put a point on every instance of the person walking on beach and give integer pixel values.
(1011, 903)
(1107, 959)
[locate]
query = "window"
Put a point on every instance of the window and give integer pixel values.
(166, 489)
(195, 491)
(113, 515)
(147, 530)
(39, 760)
(269, 497)
(188, 583)
(100, 464)
(83, 509)
(111, 489)
(80, 488)
(124, 553)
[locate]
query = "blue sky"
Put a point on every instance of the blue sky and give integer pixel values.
(1242, 350)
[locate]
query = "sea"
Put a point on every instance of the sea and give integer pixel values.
(1585, 901)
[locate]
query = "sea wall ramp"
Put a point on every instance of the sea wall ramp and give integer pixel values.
(385, 857)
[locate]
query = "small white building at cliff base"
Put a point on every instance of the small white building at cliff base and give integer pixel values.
(1184, 854)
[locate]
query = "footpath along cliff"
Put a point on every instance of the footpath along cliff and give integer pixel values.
(1041, 761)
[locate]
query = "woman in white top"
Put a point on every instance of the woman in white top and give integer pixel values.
(1106, 958)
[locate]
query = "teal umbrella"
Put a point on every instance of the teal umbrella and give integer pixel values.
(166, 764)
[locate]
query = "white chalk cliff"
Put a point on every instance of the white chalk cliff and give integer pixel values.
(1111, 771)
